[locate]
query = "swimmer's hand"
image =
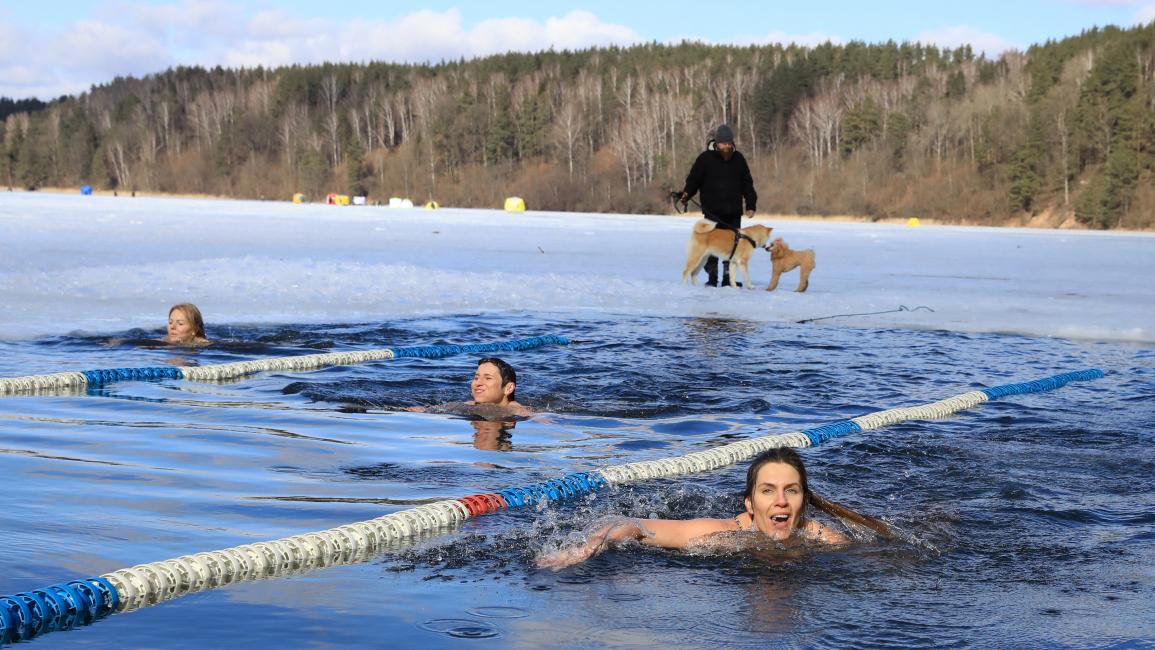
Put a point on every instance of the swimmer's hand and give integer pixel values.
(597, 542)
(415, 409)
(565, 557)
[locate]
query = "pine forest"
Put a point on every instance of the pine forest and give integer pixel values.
(1061, 133)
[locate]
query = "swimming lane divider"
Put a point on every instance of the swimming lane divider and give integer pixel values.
(79, 380)
(26, 615)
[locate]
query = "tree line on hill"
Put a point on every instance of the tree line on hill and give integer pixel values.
(1066, 128)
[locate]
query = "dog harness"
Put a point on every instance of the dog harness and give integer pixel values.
(738, 236)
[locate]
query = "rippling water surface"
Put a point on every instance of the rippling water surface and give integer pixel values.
(1030, 521)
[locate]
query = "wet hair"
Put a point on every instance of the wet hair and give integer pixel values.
(779, 455)
(508, 374)
(194, 318)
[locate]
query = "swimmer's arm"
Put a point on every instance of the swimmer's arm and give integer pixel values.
(662, 533)
(679, 533)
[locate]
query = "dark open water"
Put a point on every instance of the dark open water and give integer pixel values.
(1031, 520)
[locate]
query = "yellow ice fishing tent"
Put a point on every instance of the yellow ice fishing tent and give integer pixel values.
(515, 204)
(298, 198)
(432, 205)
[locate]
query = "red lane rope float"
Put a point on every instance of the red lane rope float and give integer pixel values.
(483, 504)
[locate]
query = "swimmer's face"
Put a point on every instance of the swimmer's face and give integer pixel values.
(180, 328)
(776, 503)
(487, 388)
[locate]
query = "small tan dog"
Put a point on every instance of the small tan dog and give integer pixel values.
(786, 260)
(733, 245)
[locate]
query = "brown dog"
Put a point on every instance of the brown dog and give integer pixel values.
(786, 260)
(733, 245)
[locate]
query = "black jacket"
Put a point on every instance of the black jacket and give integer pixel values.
(723, 183)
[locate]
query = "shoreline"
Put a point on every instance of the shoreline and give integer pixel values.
(1046, 220)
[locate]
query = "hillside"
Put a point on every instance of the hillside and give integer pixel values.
(1064, 132)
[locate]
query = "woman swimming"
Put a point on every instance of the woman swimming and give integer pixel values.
(777, 497)
(186, 326)
(494, 389)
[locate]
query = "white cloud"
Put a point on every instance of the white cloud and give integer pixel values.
(187, 22)
(38, 63)
(579, 29)
(12, 42)
(90, 47)
(278, 24)
(130, 38)
(990, 44)
(276, 38)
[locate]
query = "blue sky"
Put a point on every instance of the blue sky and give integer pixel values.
(64, 47)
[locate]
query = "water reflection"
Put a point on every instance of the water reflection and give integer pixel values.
(493, 435)
(709, 329)
(772, 604)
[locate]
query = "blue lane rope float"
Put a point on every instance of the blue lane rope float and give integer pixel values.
(101, 377)
(65, 381)
(80, 602)
(64, 606)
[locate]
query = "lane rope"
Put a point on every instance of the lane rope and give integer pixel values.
(81, 380)
(79, 602)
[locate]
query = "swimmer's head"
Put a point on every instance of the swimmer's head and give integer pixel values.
(777, 492)
(495, 382)
(185, 323)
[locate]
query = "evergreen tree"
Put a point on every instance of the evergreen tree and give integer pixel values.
(7, 157)
(32, 167)
(356, 171)
(863, 123)
(1026, 166)
(956, 85)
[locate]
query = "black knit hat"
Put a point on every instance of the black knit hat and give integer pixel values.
(724, 134)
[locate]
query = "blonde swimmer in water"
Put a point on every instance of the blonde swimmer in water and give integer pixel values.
(186, 326)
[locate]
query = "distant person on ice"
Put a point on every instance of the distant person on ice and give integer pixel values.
(722, 176)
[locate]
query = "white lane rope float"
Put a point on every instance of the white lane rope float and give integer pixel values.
(83, 379)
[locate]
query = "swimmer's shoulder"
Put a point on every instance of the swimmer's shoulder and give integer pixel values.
(822, 533)
(518, 409)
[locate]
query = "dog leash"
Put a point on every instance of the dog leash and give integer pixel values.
(868, 313)
(738, 235)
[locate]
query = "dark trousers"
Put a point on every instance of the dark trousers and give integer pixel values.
(730, 223)
(712, 272)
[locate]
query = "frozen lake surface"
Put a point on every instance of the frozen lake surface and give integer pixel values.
(104, 264)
